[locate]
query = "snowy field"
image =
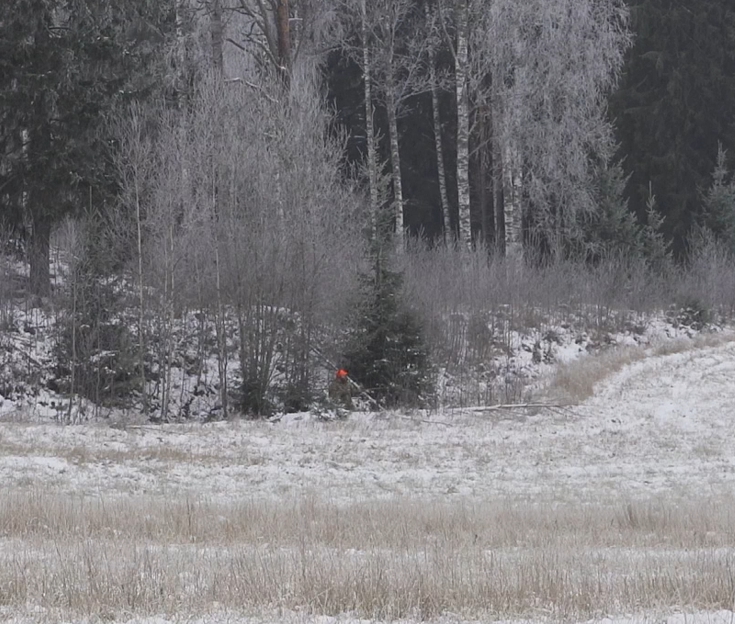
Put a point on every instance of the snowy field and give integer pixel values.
(635, 486)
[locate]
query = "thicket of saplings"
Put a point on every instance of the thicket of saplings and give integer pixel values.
(225, 270)
(119, 343)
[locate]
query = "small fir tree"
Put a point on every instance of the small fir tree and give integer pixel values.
(386, 351)
(656, 248)
(612, 228)
(718, 214)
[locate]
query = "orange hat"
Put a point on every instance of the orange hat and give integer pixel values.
(342, 373)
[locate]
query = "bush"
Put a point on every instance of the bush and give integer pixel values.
(95, 350)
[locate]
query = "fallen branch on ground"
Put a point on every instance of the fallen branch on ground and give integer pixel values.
(515, 406)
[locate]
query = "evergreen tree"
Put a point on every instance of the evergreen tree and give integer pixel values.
(718, 214)
(612, 227)
(675, 103)
(656, 247)
(386, 352)
(64, 67)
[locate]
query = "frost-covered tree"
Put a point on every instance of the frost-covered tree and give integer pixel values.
(391, 55)
(263, 238)
(541, 70)
(553, 64)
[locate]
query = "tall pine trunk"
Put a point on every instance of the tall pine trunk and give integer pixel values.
(463, 125)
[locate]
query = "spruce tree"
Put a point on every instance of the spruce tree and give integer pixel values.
(612, 228)
(675, 103)
(64, 68)
(386, 352)
(718, 214)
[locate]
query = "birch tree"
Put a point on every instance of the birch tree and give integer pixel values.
(392, 62)
(367, 77)
(552, 64)
(543, 69)
(461, 59)
(455, 22)
(434, 43)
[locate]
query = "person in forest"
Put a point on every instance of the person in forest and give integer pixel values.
(340, 391)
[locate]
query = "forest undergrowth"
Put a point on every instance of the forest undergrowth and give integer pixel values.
(493, 334)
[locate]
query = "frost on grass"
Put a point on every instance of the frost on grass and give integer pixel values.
(621, 504)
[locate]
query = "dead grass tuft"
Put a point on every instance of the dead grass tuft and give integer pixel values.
(574, 382)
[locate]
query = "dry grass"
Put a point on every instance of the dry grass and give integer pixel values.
(103, 556)
(575, 382)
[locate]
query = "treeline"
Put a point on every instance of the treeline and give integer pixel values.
(251, 186)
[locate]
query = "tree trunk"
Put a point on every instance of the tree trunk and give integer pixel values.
(498, 209)
(221, 332)
(372, 165)
(482, 167)
(180, 53)
(141, 293)
(40, 257)
(441, 171)
(512, 189)
(463, 126)
(395, 159)
(217, 36)
(484, 170)
(283, 28)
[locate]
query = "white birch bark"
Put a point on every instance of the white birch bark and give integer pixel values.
(497, 181)
(512, 204)
(395, 159)
(463, 125)
(141, 295)
(222, 358)
(369, 122)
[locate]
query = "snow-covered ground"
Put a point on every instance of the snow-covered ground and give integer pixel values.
(662, 427)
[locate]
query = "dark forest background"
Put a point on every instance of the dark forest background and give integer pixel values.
(301, 175)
